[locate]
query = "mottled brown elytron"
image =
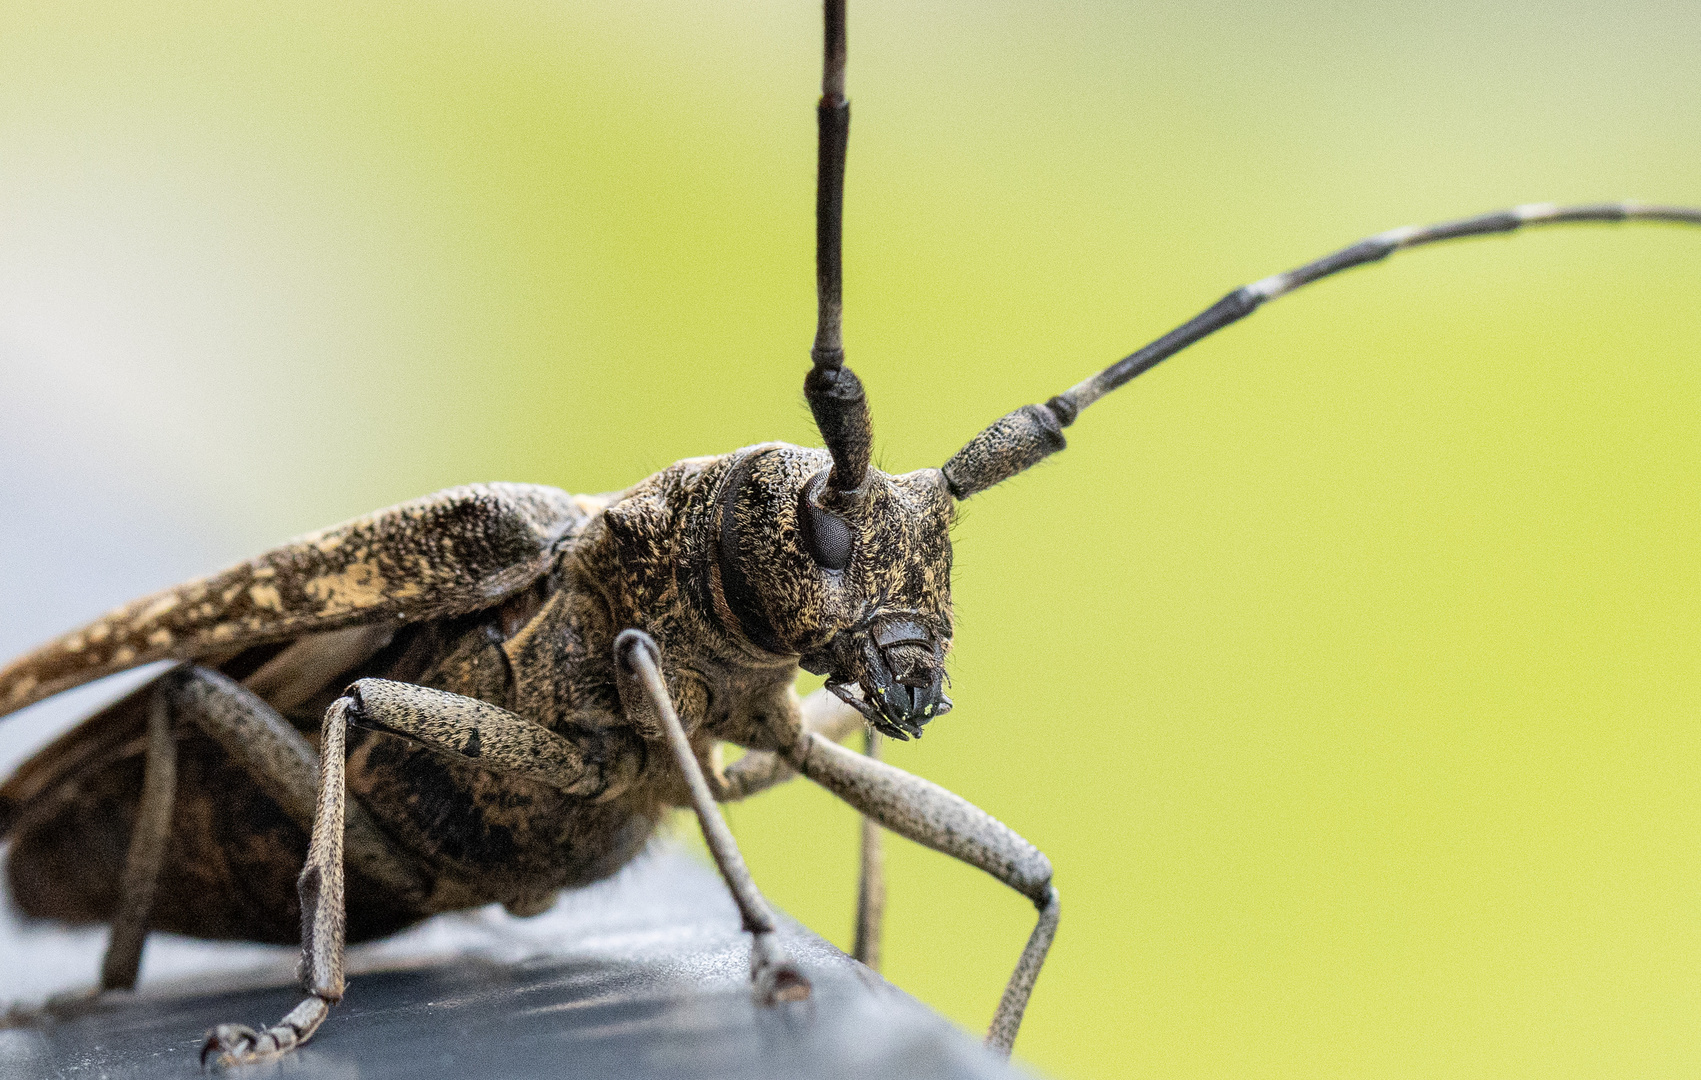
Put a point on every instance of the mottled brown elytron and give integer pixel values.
(495, 693)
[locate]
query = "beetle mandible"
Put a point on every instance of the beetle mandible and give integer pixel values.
(496, 626)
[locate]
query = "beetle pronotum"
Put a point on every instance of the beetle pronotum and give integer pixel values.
(876, 395)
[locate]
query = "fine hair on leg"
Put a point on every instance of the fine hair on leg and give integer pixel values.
(489, 736)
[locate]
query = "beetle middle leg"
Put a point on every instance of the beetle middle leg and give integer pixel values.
(447, 723)
(323, 917)
(284, 765)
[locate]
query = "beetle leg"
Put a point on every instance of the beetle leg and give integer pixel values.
(146, 854)
(870, 879)
(642, 691)
(143, 861)
(323, 924)
(493, 738)
(833, 719)
(930, 815)
(284, 765)
(826, 715)
(759, 770)
(448, 723)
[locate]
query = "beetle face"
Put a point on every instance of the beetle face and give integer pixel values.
(858, 586)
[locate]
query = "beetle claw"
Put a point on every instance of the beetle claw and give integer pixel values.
(775, 979)
(234, 1044)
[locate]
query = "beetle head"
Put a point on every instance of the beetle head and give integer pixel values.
(857, 584)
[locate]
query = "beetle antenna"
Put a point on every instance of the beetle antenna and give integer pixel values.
(1034, 432)
(834, 392)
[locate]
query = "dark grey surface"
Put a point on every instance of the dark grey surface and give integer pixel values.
(643, 976)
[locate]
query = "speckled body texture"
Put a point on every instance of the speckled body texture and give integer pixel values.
(510, 594)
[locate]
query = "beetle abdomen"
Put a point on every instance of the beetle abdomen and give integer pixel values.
(231, 861)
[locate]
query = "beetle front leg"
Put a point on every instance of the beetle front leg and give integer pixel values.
(930, 815)
(642, 691)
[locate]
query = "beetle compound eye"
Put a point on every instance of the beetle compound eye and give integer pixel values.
(826, 535)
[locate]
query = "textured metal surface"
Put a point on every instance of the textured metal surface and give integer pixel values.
(643, 976)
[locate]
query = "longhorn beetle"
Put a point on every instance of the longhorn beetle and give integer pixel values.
(494, 693)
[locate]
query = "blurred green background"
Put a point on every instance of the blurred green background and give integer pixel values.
(1345, 666)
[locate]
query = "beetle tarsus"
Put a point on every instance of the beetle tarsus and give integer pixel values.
(238, 1044)
(774, 978)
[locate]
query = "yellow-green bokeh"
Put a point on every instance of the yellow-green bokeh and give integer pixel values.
(1346, 666)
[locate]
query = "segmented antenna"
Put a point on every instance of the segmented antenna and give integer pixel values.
(1034, 432)
(833, 390)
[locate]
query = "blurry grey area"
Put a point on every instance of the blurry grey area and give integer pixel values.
(72, 545)
(644, 975)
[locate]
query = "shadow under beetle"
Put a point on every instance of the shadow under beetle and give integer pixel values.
(498, 691)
